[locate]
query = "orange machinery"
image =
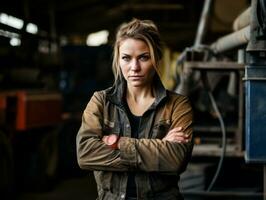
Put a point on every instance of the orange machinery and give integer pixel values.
(23, 110)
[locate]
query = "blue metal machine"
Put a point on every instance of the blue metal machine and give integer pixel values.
(255, 85)
(255, 113)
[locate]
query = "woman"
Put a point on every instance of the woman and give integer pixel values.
(136, 135)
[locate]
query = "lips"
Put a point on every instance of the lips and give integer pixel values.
(136, 76)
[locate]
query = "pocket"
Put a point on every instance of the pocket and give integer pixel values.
(160, 129)
(103, 180)
(111, 127)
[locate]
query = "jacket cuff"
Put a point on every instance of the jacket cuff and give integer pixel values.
(128, 152)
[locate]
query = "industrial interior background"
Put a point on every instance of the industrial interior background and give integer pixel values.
(49, 69)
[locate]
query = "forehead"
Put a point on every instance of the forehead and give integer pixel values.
(131, 45)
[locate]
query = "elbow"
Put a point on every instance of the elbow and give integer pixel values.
(86, 156)
(81, 159)
(183, 157)
(181, 167)
(82, 164)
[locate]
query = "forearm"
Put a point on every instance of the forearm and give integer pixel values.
(155, 154)
(93, 154)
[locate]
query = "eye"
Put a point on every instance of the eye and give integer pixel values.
(144, 58)
(126, 58)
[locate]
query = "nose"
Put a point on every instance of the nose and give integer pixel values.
(135, 65)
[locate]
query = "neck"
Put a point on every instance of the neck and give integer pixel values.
(139, 99)
(139, 93)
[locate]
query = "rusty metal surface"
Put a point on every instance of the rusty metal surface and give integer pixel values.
(30, 109)
(37, 110)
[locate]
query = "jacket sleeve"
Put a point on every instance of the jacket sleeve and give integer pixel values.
(92, 153)
(157, 155)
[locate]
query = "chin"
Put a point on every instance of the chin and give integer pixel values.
(136, 84)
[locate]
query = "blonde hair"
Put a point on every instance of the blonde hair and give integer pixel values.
(144, 30)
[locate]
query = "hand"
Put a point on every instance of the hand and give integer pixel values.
(111, 140)
(105, 139)
(176, 135)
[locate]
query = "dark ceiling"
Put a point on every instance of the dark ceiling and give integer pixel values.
(177, 19)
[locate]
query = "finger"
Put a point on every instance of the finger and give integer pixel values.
(104, 139)
(175, 138)
(181, 139)
(176, 129)
(169, 137)
(180, 134)
(173, 135)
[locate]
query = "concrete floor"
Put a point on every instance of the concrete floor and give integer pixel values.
(81, 188)
(84, 188)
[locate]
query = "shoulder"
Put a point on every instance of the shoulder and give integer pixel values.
(101, 94)
(98, 98)
(180, 104)
(176, 97)
(178, 101)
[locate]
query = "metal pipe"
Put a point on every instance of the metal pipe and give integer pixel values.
(242, 20)
(203, 23)
(231, 41)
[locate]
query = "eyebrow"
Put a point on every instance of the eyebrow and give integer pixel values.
(142, 54)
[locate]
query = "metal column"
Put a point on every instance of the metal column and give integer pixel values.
(255, 82)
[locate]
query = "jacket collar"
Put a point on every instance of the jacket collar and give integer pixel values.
(116, 93)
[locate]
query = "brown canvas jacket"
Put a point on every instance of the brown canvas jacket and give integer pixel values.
(157, 163)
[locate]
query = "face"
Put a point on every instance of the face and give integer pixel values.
(135, 62)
